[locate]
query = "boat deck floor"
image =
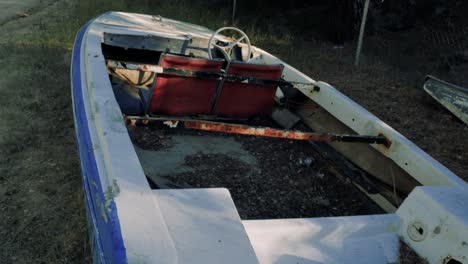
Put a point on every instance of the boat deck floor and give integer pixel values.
(267, 178)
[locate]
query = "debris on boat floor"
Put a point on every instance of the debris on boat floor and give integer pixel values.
(150, 139)
(408, 256)
(267, 177)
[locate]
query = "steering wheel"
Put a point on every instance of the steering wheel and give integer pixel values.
(227, 50)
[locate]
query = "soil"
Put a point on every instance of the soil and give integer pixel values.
(150, 138)
(408, 256)
(291, 180)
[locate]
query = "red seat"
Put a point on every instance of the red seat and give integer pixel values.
(243, 100)
(180, 96)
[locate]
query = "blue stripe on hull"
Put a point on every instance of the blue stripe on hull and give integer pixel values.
(104, 231)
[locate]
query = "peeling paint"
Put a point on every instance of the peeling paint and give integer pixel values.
(102, 210)
(112, 192)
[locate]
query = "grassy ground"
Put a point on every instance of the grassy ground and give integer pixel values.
(41, 200)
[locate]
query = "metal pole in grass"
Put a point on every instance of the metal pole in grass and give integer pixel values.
(361, 32)
(234, 6)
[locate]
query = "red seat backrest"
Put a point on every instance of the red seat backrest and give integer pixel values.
(181, 96)
(243, 100)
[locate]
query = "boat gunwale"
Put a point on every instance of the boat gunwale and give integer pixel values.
(88, 163)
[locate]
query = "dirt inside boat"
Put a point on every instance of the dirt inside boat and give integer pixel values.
(268, 178)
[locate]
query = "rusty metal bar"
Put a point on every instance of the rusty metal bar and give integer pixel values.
(255, 131)
(111, 64)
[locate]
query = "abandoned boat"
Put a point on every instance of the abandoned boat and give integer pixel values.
(192, 142)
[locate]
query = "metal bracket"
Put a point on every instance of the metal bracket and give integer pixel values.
(111, 64)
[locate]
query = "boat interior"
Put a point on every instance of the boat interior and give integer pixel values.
(193, 114)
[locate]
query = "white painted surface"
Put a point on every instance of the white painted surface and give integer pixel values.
(441, 215)
(136, 24)
(143, 228)
(205, 226)
(358, 239)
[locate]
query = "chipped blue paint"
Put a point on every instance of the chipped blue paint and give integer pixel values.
(105, 234)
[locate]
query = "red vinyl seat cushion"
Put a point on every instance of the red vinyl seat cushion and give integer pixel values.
(181, 96)
(244, 100)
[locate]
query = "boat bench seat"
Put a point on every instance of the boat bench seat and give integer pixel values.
(243, 99)
(182, 96)
(185, 96)
(204, 226)
(349, 239)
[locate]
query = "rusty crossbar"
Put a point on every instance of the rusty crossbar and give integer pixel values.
(111, 64)
(229, 128)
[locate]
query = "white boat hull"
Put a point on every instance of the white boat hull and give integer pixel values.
(131, 223)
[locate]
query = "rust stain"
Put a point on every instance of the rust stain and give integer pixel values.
(132, 122)
(256, 131)
(388, 142)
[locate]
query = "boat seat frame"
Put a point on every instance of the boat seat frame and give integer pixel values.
(227, 100)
